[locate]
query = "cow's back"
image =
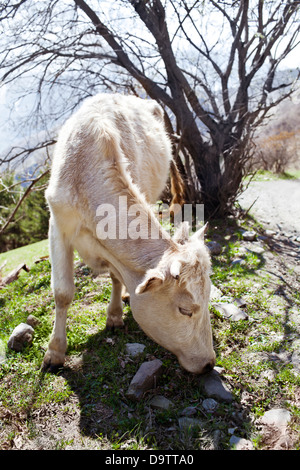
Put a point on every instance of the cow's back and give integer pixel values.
(109, 130)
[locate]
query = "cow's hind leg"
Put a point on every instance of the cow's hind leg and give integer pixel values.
(61, 254)
(115, 308)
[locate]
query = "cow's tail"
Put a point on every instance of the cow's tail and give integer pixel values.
(177, 188)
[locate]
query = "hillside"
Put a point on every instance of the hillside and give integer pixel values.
(250, 401)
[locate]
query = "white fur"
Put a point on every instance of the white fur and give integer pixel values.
(117, 146)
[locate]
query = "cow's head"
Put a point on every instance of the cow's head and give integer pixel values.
(171, 303)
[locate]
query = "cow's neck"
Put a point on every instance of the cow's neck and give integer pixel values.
(135, 257)
(131, 257)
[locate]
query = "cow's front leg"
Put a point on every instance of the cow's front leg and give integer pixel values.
(115, 308)
(61, 254)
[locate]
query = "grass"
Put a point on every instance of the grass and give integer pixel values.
(262, 175)
(25, 254)
(86, 405)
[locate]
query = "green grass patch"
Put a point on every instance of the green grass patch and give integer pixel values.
(26, 254)
(97, 373)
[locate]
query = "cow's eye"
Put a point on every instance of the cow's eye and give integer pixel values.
(183, 311)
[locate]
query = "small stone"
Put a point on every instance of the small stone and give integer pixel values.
(277, 417)
(270, 233)
(258, 250)
(296, 361)
(21, 335)
(269, 375)
(238, 262)
(215, 293)
(134, 349)
(231, 311)
(238, 443)
(189, 424)
(249, 235)
(215, 248)
(144, 379)
(240, 303)
(209, 404)
(189, 411)
(215, 388)
(2, 352)
(161, 402)
(33, 321)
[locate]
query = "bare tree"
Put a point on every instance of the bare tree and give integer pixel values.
(213, 65)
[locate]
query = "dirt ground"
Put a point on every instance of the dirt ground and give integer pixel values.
(275, 203)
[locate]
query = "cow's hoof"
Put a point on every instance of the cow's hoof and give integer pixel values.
(112, 328)
(52, 368)
(53, 362)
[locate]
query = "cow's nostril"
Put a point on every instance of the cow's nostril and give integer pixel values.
(209, 366)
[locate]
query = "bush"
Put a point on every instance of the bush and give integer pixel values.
(277, 152)
(30, 223)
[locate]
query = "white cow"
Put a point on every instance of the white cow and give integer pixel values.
(115, 148)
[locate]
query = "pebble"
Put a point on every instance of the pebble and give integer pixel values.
(258, 250)
(189, 424)
(277, 417)
(209, 404)
(270, 233)
(145, 379)
(161, 403)
(231, 311)
(2, 352)
(296, 361)
(249, 235)
(33, 321)
(134, 349)
(21, 335)
(189, 411)
(215, 388)
(215, 293)
(238, 443)
(215, 248)
(238, 262)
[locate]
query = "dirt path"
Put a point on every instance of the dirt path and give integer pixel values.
(276, 204)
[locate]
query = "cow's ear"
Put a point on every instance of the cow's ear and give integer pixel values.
(182, 233)
(199, 235)
(153, 280)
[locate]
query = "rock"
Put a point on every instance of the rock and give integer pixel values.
(161, 403)
(249, 235)
(238, 262)
(240, 303)
(238, 443)
(134, 349)
(209, 404)
(215, 388)
(231, 311)
(270, 233)
(278, 417)
(189, 411)
(269, 375)
(215, 248)
(296, 361)
(189, 424)
(257, 249)
(33, 321)
(21, 335)
(145, 379)
(2, 352)
(215, 293)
